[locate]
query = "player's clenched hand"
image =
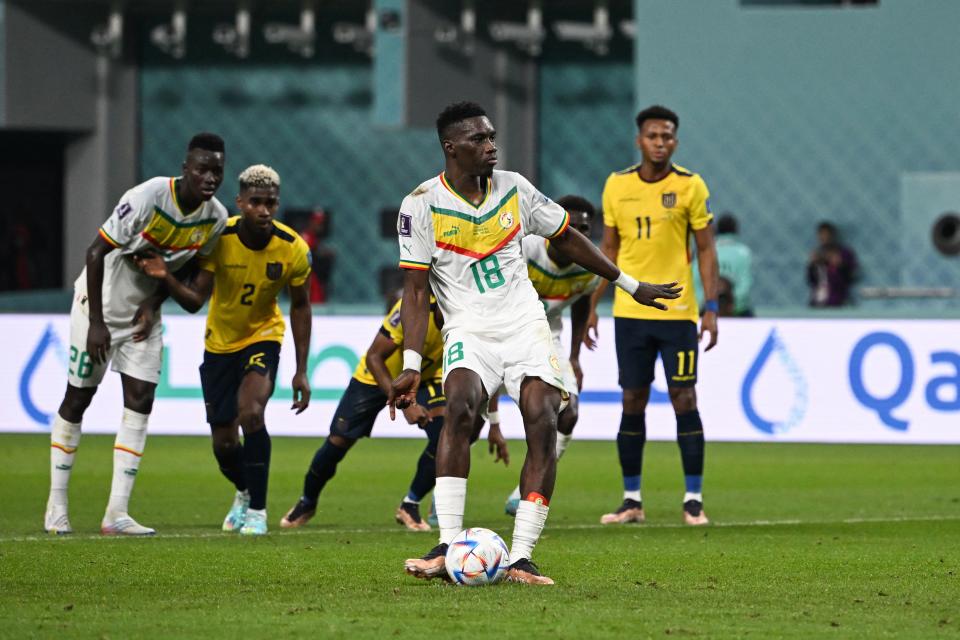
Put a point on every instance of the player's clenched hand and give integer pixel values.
(151, 264)
(497, 444)
(403, 391)
(301, 392)
(98, 342)
(417, 414)
(709, 324)
(592, 325)
(647, 294)
(143, 321)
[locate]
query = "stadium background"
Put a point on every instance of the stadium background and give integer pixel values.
(793, 111)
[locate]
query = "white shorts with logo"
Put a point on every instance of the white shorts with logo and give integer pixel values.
(506, 360)
(140, 360)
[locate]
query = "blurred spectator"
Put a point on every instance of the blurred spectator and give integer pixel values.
(831, 270)
(317, 228)
(736, 263)
(726, 298)
(736, 267)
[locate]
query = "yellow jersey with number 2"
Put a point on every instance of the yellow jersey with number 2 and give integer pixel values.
(655, 221)
(246, 283)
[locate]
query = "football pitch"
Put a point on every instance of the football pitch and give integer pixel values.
(807, 541)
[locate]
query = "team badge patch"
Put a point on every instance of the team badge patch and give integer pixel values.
(404, 225)
(555, 363)
(506, 219)
(669, 200)
(274, 270)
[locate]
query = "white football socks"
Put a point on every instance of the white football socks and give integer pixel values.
(527, 528)
(451, 497)
(127, 451)
(693, 496)
(632, 495)
(64, 440)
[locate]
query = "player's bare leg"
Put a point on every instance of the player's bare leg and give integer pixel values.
(630, 443)
(691, 443)
(64, 440)
(252, 397)
(565, 425)
(539, 405)
(465, 397)
(127, 452)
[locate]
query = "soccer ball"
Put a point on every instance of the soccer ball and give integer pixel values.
(477, 557)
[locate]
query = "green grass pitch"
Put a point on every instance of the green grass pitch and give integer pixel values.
(807, 541)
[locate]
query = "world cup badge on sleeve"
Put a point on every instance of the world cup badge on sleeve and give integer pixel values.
(404, 225)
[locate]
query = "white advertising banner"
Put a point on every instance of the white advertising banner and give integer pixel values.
(767, 380)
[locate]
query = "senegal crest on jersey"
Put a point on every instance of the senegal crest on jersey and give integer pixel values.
(481, 235)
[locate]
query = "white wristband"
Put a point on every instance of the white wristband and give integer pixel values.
(411, 360)
(493, 417)
(627, 282)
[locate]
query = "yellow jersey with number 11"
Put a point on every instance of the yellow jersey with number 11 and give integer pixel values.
(654, 221)
(246, 283)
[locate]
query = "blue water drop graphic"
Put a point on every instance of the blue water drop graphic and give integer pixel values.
(773, 344)
(48, 340)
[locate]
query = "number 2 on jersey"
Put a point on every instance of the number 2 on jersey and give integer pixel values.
(488, 271)
(248, 290)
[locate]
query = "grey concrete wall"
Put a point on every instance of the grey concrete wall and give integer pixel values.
(504, 81)
(49, 78)
(103, 164)
(52, 79)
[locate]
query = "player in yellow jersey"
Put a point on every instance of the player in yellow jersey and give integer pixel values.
(649, 212)
(256, 258)
(365, 397)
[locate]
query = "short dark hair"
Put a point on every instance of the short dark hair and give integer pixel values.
(207, 142)
(576, 203)
(457, 112)
(727, 223)
(825, 225)
(657, 112)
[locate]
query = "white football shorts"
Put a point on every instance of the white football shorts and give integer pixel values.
(140, 360)
(507, 360)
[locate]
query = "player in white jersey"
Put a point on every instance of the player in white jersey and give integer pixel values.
(561, 284)
(115, 317)
(461, 231)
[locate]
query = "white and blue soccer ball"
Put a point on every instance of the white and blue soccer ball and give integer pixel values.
(477, 557)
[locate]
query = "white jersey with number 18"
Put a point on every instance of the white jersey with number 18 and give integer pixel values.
(477, 269)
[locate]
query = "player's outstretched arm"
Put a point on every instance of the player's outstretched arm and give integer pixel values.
(710, 276)
(98, 337)
(579, 249)
(301, 320)
(189, 296)
(414, 318)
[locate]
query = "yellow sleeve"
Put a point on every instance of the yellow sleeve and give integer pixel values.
(391, 325)
(300, 269)
(699, 211)
(609, 215)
